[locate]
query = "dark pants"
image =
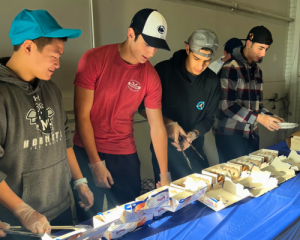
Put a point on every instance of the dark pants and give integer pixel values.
(231, 147)
(125, 171)
(177, 164)
(64, 219)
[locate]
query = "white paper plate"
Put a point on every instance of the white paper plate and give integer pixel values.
(287, 125)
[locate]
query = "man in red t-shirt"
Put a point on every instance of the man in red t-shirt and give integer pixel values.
(110, 84)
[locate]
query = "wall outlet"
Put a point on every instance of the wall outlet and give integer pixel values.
(275, 95)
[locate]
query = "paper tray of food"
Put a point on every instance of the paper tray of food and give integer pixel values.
(193, 182)
(221, 197)
(293, 159)
(280, 170)
(267, 154)
(220, 171)
(258, 182)
(178, 198)
(249, 161)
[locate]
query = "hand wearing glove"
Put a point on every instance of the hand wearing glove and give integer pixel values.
(268, 121)
(85, 194)
(4, 226)
(102, 177)
(165, 180)
(186, 143)
(31, 219)
(174, 131)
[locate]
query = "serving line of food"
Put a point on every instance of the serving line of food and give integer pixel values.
(217, 187)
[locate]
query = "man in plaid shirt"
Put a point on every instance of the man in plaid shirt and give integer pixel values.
(240, 106)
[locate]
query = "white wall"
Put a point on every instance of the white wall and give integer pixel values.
(112, 18)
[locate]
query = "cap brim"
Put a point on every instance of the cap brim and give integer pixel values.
(156, 42)
(69, 33)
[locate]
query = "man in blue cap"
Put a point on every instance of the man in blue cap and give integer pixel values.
(231, 44)
(36, 155)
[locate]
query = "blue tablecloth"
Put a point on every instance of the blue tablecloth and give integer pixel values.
(271, 216)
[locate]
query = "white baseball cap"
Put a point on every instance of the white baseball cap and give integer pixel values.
(152, 26)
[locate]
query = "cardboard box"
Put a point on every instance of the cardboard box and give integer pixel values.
(280, 170)
(178, 198)
(293, 141)
(219, 198)
(293, 159)
(259, 182)
(207, 171)
(268, 157)
(188, 184)
(154, 199)
(94, 234)
(254, 160)
(119, 229)
(108, 217)
(64, 236)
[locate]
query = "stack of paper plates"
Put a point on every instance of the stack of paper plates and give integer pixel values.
(287, 125)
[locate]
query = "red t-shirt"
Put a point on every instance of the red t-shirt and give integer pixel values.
(119, 89)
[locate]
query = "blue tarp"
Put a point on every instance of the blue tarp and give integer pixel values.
(271, 216)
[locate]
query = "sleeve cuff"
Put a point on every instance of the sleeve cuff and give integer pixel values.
(253, 117)
(2, 177)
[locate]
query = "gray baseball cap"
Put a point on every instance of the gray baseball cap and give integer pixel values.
(203, 38)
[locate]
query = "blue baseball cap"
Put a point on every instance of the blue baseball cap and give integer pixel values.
(33, 24)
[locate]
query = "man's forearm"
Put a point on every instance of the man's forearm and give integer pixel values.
(86, 134)
(166, 120)
(160, 145)
(7, 197)
(74, 167)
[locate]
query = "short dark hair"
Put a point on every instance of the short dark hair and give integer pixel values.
(137, 34)
(205, 49)
(41, 43)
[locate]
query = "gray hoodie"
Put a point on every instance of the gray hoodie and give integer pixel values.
(34, 138)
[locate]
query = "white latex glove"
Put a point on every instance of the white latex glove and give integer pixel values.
(268, 121)
(165, 180)
(85, 195)
(186, 143)
(4, 226)
(31, 219)
(102, 177)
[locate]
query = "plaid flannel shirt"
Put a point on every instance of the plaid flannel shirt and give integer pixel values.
(241, 97)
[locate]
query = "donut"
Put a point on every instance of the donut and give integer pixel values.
(142, 222)
(139, 207)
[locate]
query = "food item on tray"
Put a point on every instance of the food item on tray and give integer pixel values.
(268, 156)
(253, 161)
(233, 171)
(181, 184)
(221, 174)
(142, 222)
(198, 179)
(247, 166)
(139, 207)
(225, 171)
(173, 192)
